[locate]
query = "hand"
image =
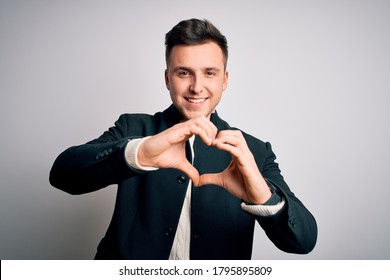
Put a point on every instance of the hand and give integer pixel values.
(167, 149)
(242, 177)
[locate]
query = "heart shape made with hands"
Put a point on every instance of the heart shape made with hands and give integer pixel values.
(241, 178)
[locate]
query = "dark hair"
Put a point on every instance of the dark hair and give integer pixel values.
(194, 32)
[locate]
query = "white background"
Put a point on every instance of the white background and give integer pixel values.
(311, 77)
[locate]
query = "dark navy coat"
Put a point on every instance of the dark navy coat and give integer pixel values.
(148, 204)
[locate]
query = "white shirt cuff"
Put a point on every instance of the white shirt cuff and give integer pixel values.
(263, 210)
(131, 152)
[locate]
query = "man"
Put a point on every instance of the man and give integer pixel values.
(189, 185)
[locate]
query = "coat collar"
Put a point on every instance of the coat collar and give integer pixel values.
(172, 116)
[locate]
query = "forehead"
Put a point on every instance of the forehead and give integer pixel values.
(203, 55)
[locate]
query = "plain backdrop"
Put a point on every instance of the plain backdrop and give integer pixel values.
(311, 77)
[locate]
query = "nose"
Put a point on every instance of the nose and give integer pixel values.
(196, 84)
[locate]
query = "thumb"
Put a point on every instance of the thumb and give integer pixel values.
(191, 172)
(211, 179)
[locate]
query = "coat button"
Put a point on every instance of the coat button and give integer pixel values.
(292, 222)
(195, 235)
(181, 179)
(168, 231)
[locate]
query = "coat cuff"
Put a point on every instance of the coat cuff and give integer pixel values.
(264, 210)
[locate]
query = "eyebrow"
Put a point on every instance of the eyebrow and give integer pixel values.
(214, 68)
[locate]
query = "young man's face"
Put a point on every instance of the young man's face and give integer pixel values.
(196, 78)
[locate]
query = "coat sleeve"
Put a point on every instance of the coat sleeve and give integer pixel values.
(94, 165)
(293, 229)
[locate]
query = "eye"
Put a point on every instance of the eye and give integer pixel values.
(183, 73)
(210, 73)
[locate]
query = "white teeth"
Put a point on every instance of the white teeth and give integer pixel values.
(196, 100)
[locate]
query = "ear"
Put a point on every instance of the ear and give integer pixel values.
(225, 80)
(166, 79)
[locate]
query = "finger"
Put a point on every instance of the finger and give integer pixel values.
(231, 141)
(228, 142)
(178, 133)
(209, 129)
(232, 137)
(205, 129)
(231, 149)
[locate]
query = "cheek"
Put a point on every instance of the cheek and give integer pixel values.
(179, 85)
(217, 86)
(217, 89)
(175, 91)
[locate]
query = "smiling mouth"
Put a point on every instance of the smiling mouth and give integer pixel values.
(196, 100)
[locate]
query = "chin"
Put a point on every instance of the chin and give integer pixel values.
(189, 116)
